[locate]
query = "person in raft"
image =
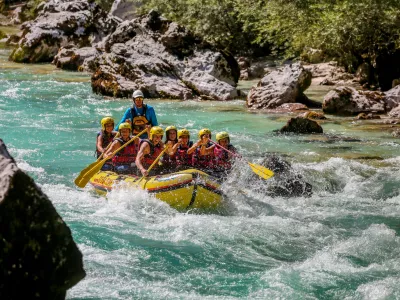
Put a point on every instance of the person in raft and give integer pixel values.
(140, 115)
(168, 162)
(223, 160)
(183, 156)
(124, 160)
(149, 150)
(203, 152)
(104, 138)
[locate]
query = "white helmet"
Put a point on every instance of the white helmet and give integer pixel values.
(137, 94)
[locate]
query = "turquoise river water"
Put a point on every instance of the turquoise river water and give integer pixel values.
(341, 243)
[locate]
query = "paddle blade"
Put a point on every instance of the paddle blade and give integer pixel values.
(261, 171)
(84, 171)
(90, 173)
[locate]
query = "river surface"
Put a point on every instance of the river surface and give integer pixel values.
(341, 243)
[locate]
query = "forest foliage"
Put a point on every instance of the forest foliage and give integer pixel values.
(350, 31)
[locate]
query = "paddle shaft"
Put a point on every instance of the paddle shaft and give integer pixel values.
(155, 161)
(124, 145)
(81, 181)
(108, 146)
(233, 153)
(261, 171)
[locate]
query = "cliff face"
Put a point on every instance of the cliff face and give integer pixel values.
(38, 256)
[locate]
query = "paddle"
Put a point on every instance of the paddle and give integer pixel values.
(99, 164)
(154, 162)
(85, 170)
(261, 171)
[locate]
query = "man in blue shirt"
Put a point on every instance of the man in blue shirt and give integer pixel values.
(140, 116)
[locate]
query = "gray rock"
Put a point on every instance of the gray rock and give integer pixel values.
(349, 101)
(392, 97)
(38, 257)
(72, 58)
(60, 23)
(164, 60)
(301, 125)
(281, 86)
(395, 112)
(125, 9)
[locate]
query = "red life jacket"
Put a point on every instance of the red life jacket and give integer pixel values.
(169, 160)
(181, 155)
(222, 159)
(127, 155)
(155, 151)
(203, 161)
(106, 139)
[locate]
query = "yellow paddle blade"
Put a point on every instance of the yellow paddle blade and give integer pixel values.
(261, 171)
(84, 171)
(90, 173)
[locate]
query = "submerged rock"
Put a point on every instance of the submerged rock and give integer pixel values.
(38, 257)
(301, 125)
(286, 182)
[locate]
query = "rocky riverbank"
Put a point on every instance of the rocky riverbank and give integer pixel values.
(165, 60)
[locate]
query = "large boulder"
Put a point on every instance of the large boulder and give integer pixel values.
(395, 112)
(77, 59)
(164, 60)
(284, 85)
(60, 23)
(38, 257)
(349, 101)
(392, 97)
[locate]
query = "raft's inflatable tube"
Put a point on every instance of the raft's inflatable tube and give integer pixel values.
(182, 190)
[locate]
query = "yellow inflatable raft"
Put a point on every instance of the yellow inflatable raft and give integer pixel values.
(182, 190)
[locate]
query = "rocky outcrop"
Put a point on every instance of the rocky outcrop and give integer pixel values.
(280, 86)
(329, 73)
(301, 125)
(77, 59)
(164, 60)
(349, 101)
(38, 257)
(60, 23)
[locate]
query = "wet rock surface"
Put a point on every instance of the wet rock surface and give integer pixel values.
(38, 257)
(286, 182)
(301, 125)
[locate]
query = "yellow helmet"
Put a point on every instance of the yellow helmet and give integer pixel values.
(105, 121)
(156, 130)
(183, 132)
(124, 125)
(170, 128)
(222, 135)
(204, 131)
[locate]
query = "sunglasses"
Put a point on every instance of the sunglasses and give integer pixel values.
(138, 98)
